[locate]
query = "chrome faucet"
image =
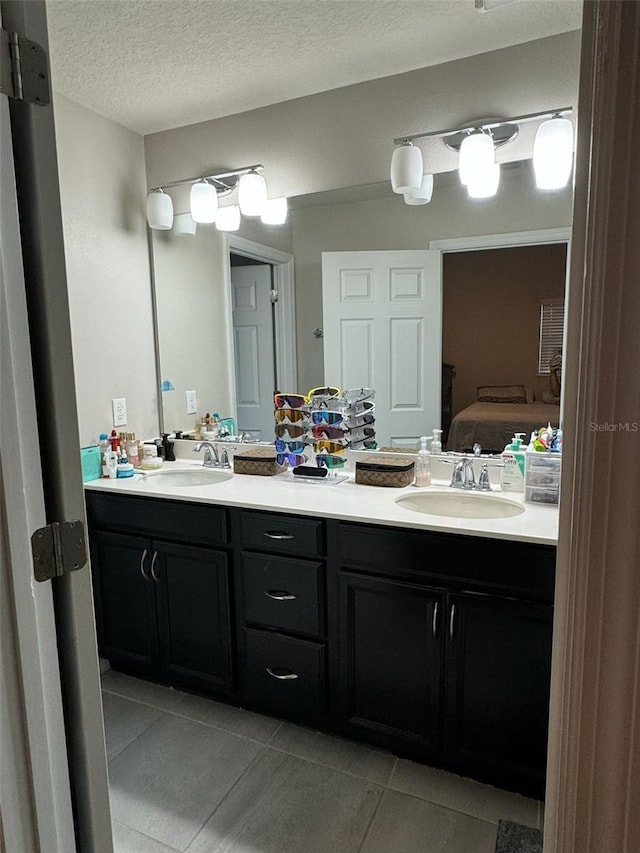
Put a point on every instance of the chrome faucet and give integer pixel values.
(463, 476)
(211, 457)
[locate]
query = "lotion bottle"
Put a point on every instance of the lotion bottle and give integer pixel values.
(423, 465)
(436, 443)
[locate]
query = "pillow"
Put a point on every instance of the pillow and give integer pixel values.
(502, 394)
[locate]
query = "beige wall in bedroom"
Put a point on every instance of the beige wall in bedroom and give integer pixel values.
(501, 289)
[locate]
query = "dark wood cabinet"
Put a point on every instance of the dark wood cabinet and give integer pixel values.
(432, 663)
(162, 608)
(390, 670)
(498, 671)
(432, 645)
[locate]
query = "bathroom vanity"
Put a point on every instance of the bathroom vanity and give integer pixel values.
(430, 637)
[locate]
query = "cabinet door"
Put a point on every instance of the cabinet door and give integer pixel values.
(497, 689)
(125, 601)
(194, 619)
(390, 669)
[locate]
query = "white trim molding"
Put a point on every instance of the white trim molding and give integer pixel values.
(498, 241)
(285, 307)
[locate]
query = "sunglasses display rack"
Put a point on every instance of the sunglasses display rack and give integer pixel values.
(325, 421)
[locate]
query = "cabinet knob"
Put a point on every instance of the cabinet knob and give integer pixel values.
(280, 595)
(281, 674)
(276, 534)
(145, 574)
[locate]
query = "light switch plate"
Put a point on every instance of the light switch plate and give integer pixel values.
(119, 406)
(192, 402)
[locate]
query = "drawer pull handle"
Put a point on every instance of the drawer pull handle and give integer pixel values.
(280, 596)
(434, 623)
(155, 575)
(274, 534)
(144, 573)
(281, 675)
(452, 619)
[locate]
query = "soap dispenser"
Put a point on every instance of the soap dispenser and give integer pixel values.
(513, 458)
(436, 443)
(423, 465)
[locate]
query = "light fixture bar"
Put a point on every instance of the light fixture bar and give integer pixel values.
(401, 140)
(219, 178)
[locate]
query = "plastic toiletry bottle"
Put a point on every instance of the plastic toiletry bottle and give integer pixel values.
(169, 454)
(112, 462)
(513, 458)
(105, 448)
(131, 449)
(436, 443)
(125, 468)
(423, 465)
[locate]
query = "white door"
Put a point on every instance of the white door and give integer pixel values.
(382, 317)
(253, 346)
(34, 777)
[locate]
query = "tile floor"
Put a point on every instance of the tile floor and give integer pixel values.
(189, 774)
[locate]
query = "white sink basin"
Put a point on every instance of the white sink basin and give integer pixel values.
(188, 477)
(455, 504)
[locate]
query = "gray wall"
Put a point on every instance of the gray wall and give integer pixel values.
(345, 137)
(103, 195)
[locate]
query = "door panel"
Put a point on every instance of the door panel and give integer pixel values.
(194, 615)
(253, 344)
(390, 643)
(382, 329)
(128, 629)
(497, 692)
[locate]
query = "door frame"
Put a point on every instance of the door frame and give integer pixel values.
(540, 237)
(285, 307)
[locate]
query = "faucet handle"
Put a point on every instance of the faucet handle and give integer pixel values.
(483, 479)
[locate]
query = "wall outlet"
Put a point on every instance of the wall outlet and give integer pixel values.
(192, 403)
(119, 406)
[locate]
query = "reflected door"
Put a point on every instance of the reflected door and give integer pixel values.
(382, 314)
(253, 345)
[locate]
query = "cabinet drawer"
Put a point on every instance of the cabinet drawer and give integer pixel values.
(460, 562)
(283, 593)
(195, 524)
(284, 675)
(282, 534)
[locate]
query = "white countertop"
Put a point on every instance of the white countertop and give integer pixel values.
(346, 501)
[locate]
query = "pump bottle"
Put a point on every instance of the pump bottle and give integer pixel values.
(423, 465)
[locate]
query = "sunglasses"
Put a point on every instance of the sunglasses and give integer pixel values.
(289, 430)
(324, 431)
(369, 443)
(325, 417)
(293, 446)
(293, 459)
(330, 446)
(293, 416)
(293, 401)
(330, 461)
(324, 391)
(358, 433)
(355, 421)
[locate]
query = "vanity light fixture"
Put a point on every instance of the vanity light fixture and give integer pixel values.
(553, 153)
(275, 211)
(252, 194)
(477, 144)
(184, 225)
(206, 192)
(228, 218)
(159, 210)
(422, 195)
(204, 202)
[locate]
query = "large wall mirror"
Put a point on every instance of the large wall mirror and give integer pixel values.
(484, 325)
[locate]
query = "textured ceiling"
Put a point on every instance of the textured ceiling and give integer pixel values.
(157, 64)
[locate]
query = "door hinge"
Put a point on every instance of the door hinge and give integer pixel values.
(274, 296)
(58, 548)
(24, 72)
